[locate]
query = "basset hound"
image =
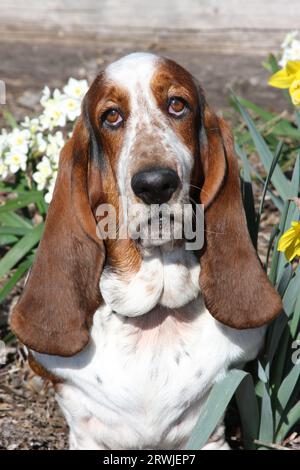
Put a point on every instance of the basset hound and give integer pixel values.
(135, 331)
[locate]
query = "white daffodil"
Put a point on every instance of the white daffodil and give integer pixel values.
(40, 143)
(40, 180)
(289, 39)
(18, 139)
(76, 88)
(45, 95)
(72, 108)
(33, 125)
(49, 194)
(3, 143)
(3, 169)
(54, 114)
(43, 174)
(55, 144)
(44, 167)
(291, 49)
(15, 160)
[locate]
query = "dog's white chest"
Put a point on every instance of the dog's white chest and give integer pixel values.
(142, 381)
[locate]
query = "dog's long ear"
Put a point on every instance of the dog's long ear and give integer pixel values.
(236, 290)
(55, 311)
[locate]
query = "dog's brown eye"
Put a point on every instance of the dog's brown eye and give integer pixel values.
(177, 106)
(112, 118)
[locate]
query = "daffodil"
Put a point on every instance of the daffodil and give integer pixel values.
(18, 139)
(289, 77)
(3, 169)
(15, 160)
(289, 242)
(72, 108)
(291, 48)
(76, 88)
(43, 174)
(55, 144)
(49, 194)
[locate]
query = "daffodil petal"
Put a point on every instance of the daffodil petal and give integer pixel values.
(286, 239)
(281, 79)
(295, 95)
(292, 67)
(294, 223)
(291, 252)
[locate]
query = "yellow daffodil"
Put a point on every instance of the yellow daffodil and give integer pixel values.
(289, 242)
(289, 77)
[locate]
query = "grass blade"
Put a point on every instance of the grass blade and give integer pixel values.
(281, 183)
(21, 201)
(292, 418)
(285, 392)
(22, 269)
(20, 249)
(214, 408)
(266, 428)
(14, 220)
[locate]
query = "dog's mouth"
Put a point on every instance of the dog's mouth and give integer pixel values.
(160, 227)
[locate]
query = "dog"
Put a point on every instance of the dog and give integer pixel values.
(134, 331)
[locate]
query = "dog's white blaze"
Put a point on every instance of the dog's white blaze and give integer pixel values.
(134, 296)
(132, 72)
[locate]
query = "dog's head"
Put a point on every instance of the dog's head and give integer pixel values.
(146, 136)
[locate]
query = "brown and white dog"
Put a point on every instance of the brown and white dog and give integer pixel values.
(135, 332)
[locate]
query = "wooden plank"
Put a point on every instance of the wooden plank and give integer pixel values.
(90, 15)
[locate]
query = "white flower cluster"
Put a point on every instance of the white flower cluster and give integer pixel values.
(34, 146)
(291, 48)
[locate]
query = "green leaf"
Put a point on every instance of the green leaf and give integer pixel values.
(21, 201)
(285, 279)
(292, 292)
(14, 220)
(22, 268)
(292, 418)
(276, 255)
(280, 182)
(273, 63)
(295, 182)
(295, 320)
(268, 179)
(280, 127)
(297, 114)
(278, 202)
(215, 406)
(285, 391)
(274, 233)
(9, 118)
(266, 428)
(274, 335)
(248, 409)
(280, 360)
(6, 239)
(14, 230)
(20, 249)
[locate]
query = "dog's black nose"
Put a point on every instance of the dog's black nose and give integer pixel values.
(156, 185)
